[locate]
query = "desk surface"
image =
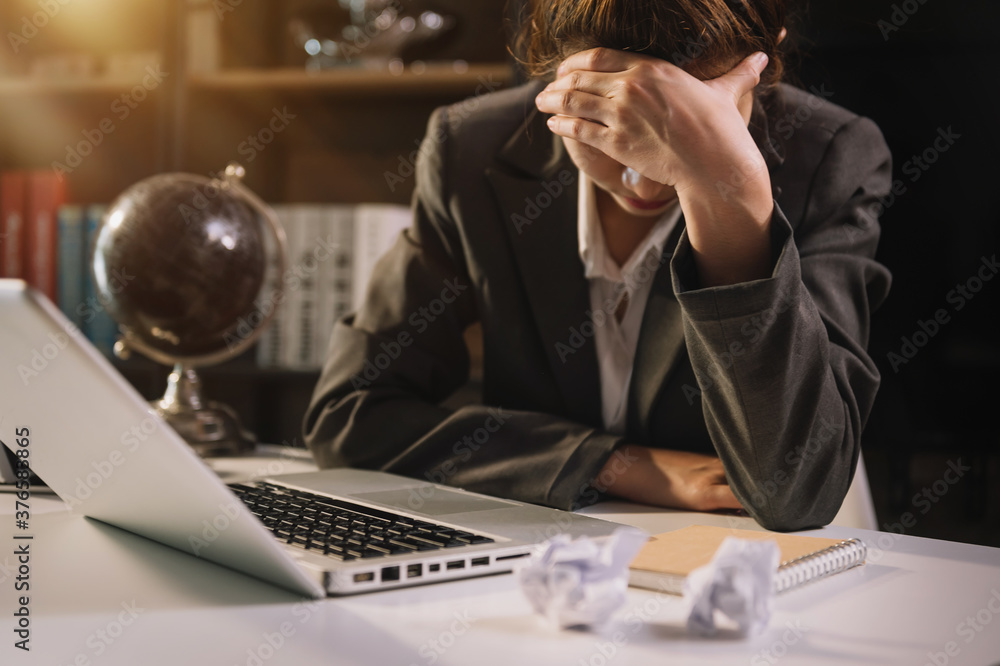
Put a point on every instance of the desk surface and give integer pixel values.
(103, 596)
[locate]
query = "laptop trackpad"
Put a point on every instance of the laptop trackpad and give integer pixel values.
(433, 501)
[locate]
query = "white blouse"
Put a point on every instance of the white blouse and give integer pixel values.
(618, 296)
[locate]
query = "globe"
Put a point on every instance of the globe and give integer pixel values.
(183, 264)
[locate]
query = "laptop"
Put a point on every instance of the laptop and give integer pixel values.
(99, 446)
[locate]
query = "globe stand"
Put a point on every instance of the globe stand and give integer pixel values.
(212, 428)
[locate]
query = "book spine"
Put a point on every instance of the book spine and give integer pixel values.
(344, 287)
(46, 194)
(324, 279)
(311, 219)
(292, 286)
(317, 250)
(97, 324)
(267, 341)
(13, 189)
(72, 264)
(335, 281)
(271, 345)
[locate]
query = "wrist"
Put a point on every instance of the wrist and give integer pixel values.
(730, 240)
(742, 188)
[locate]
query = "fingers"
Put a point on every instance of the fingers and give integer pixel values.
(583, 130)
(595, 83)
(578, 106)
(744, 77)
(576, 103)
(716, 493)
(597, 60)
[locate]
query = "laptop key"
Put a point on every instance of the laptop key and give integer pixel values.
(476, 538)
(422, 545)
(428, 539)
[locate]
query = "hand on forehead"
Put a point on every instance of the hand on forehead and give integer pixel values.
(599, 70)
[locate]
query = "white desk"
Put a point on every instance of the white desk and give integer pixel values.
(103, 596)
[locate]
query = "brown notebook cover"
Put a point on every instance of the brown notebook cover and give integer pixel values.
(666, 559)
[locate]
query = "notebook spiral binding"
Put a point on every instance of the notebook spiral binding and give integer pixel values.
(838, 557)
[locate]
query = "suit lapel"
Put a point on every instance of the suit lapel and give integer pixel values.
(661, 337)
(539, 204)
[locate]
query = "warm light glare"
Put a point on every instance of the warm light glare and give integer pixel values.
(116, 218)
(218, 232)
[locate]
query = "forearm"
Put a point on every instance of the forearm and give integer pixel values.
(521, 455)
(784, 397)
(664, 477)
(728, 224)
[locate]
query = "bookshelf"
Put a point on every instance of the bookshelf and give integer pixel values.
(350, 126)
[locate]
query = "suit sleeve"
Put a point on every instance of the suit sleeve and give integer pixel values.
(389, 366)
(786, 382)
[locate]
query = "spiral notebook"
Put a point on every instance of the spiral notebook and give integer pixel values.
(666, 559)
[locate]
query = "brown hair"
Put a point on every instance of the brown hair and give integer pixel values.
(705, 37)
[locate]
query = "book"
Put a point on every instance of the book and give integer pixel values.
(13, 190)
(72, 262)
(295, 284)
(272, 342)
(97, 323)
(335, 274)
(666, 559)
(46, 193)
(308, 266)
(267, 350)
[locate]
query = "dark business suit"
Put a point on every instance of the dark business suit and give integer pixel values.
(771, 375)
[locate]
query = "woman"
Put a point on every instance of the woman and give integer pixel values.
(671, 257)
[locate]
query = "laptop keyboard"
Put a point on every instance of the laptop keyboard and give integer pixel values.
(344, 530)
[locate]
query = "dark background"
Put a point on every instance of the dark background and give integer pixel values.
(939, 70)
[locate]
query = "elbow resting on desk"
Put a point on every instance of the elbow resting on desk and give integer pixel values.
(805, 487)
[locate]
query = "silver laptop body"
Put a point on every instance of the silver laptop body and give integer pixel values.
(98, 445)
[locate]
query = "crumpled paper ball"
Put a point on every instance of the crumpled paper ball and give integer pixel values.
(579, 582)
(738, 583)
